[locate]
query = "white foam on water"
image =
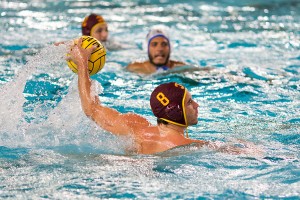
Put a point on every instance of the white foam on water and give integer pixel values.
(13, 125)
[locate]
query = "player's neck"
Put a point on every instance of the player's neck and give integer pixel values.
(171, 129)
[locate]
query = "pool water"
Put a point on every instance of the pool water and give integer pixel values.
(50, 150)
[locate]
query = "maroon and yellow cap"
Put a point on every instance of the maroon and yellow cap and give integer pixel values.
(89, 22)
(167, 103)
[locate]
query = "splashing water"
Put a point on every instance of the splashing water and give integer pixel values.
(12, 97)
(64, 124)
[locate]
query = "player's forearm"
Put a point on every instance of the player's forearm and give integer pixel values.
(84, 85)
(103, 116)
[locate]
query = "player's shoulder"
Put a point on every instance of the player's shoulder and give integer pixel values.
(136, 64)
(140, 67)
(136, 120)
(176, 63)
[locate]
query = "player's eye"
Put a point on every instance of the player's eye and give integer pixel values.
(154, 44)
(164, 44)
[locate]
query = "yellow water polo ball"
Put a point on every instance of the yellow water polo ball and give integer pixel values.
(97, 58)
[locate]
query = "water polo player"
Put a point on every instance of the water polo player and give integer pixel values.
(95, 26)
(159, 50)
(171, 103)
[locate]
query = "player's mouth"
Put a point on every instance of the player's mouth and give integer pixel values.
(160, 56)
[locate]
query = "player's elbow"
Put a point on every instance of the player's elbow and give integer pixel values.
(88, 105)
(88, 109)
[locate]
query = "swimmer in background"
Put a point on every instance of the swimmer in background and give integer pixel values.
(171, 103)
(159, 50)
(95, 26)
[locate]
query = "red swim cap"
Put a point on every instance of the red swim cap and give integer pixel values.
(167, 103)
(89, 22)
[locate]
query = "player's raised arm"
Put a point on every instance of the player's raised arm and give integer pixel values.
(108, 118)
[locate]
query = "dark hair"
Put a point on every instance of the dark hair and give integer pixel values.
(161, 121)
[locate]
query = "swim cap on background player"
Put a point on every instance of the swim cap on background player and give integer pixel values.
(90, 22)
(156, 32)
(167, 103)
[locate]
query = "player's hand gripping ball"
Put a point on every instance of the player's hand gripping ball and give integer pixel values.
(97, 58)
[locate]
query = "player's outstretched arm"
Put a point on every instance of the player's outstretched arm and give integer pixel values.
(107, 118)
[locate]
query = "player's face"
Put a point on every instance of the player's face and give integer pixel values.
(191, 109)
(159, 51)
(100, 32)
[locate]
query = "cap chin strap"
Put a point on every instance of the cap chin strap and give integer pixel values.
(186, 133)
(172, 122)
